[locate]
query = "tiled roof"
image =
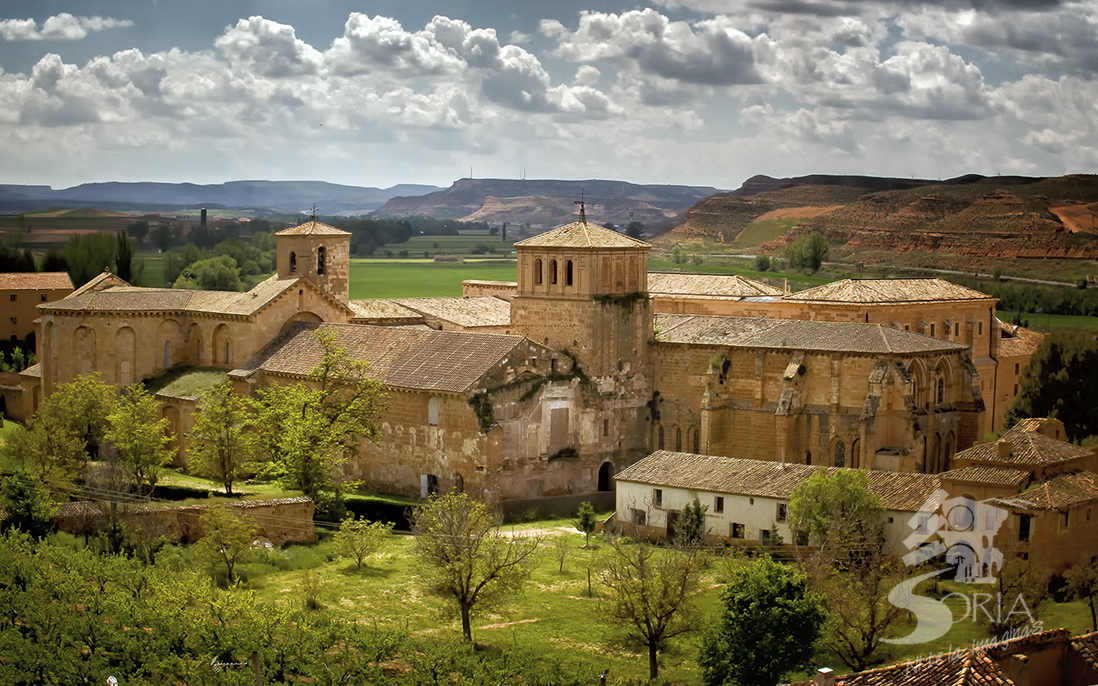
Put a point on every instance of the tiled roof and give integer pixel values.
(313, 228)
(1058, 493)
(1018, 341)
(872, 291)
(134, 299)
(403, 357)
(1087, 648)
(466, 311)
(582, 235)
(998, 476)
(794, 334)
(1027, 449)
(381, 308)
(35, 281)
(899, 491)
(98, 282)
(708, 285)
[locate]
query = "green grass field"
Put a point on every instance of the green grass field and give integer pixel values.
(760, 232)
(461, 244)
(1052, 322)
(377, 278)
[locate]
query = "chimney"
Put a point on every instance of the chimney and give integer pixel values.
(1017, 668)
(1004, 449)
(825, 676)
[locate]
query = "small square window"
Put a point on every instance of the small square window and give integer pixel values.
(718, 504)
(735, 530)
(13, 320)
(783, 511)
(956, 329)
(42, 297)
(1064, 520)
(1016, 366)
(12, 296)
(932, 329)
(657, 497)
(639, 517)
(923, 521)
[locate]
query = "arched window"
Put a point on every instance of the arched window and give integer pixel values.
(293, 262)
(941, 390)
(320, 254)
(697, 442)
(840, 454)
(568, 273)
(553, 272)
(606, 473)
(537, 271)
(855, 457)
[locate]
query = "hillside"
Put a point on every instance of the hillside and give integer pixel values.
(972, 216)
(546, 203)
(275, 196)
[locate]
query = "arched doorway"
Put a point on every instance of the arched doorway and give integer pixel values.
(606, 474)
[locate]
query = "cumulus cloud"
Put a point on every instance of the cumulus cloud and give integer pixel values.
(62, 26)
(268, 48)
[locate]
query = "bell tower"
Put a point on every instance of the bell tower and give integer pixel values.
(317, 252)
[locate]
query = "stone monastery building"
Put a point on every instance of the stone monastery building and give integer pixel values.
(550, 385)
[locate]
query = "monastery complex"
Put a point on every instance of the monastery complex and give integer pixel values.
(550, 386)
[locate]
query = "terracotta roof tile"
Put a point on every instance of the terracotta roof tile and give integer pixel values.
(466, 311)
(1027, 449)
(35, 281)
(987, 475)
(313, 228)
(403, 357)
(871, 291)
(793, 334)
(899, 491)
(582, 235)
(1018, 341)
(1058, 493)
(1087, 648)
(98, 282)
(382, 309)
(712, 285)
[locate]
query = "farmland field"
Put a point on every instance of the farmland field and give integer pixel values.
(371, 278)
(1052, 322)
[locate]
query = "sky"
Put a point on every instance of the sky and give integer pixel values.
(699, 92)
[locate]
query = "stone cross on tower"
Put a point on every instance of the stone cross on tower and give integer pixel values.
(582, 204)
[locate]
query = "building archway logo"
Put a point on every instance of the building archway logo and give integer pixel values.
(963, 530)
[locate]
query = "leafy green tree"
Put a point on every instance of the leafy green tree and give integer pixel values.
(48, 448)
(162, 237)
(653, 595)
(808, 252)
(141, 439)
(838, 511)
(28, 505)
(762, 263)
(586, 521)
(1083, 585)
(466, 558)
(129, 267)
(634, 229)
(360, 538)
(770, 627)
(1059, 382)
(138, 230)
(212, 274)
(54, 260)
(690, 529)
(227, 536)
(223, 439)
(306, 432)
(88, 255)
(84, 405)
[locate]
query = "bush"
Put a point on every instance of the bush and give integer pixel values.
(762, 263)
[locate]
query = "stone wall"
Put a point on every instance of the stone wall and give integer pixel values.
(282, 521)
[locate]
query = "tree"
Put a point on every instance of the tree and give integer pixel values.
(770, 627)
(1059, 383)
(49, 449)
(138, 230)
(226, 539)
(1083, 585)
(690, 529)
(212, 274)
(359, 538)
(307, 432)
(223, 440)
(586, 521)
(1021, 589)
(762, 263)
(141, 439)
(466, 558)
(634, 229)
(161, 237)
(28, 505)
(808, 252)
(844, 519)
(129, 267)
(88, 255)
(653, 594)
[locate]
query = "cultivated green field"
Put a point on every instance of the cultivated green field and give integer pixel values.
(382, 278)
(760, 232)
(462, 244)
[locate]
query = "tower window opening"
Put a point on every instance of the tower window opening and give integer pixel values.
(568, 273)
(293, 262)
(537, 272)
(320, 255)
(553, 272)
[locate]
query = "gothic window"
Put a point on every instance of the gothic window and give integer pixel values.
(320, 254)
(293, 262)
(568, 273)
(840, 454)
(537, 272)
(941, 390)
